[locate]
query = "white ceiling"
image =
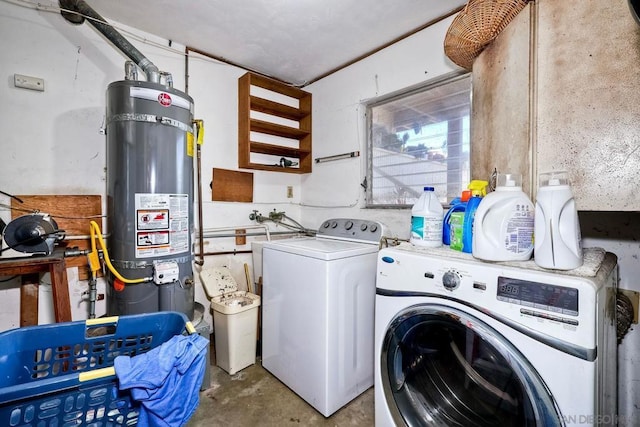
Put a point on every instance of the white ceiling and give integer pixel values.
(296, 41)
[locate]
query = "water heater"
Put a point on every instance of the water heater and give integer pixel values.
(149, 197)
(149, 182)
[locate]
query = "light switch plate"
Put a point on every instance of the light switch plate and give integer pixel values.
(28, 82)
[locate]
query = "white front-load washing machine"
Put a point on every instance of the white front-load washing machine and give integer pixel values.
(461, 342)
(318, 311)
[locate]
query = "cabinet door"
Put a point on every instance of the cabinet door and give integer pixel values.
(500, 130)
(588, 99)
(559, 89)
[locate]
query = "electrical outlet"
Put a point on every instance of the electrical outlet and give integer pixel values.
(289, 191)
(27, 82)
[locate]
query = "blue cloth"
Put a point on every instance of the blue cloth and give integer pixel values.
(166, 380)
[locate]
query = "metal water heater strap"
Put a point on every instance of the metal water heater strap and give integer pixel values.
(150, 118)
(131, 265)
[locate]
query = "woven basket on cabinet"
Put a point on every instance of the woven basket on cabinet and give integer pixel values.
(477, 25)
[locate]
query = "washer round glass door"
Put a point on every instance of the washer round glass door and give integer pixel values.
(444, 367)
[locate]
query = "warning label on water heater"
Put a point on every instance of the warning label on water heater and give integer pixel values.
(162, 224)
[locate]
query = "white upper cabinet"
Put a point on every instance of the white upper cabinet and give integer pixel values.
(559, 89)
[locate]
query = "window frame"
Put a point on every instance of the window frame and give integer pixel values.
(404, 93)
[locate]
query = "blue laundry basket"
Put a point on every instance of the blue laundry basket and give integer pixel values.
(62, 375)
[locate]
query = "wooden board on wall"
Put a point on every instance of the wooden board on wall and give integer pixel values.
(72, 213)
(231, 186)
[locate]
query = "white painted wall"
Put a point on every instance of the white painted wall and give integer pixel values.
(619, 233)
(51, 142)
(339, 125)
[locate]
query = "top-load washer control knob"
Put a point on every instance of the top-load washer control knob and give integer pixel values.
(334, 224)
(363, 227)
(451, 280)
(348, 225)
(373, 228)
(326, 224)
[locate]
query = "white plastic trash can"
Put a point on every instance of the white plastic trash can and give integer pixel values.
(235, 320)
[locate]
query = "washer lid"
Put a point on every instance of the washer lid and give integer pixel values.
(324, 249)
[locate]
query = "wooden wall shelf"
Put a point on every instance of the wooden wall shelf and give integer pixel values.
(277, 150)
(296, 145)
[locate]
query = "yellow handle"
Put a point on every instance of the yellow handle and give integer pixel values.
(97, 373)
(200, 126)
(190, 328)
(101, 320)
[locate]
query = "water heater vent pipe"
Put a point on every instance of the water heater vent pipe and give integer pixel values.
(75, 11)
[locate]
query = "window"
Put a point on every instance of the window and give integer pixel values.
(419, 138)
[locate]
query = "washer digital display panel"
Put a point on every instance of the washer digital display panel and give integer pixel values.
(559, 299)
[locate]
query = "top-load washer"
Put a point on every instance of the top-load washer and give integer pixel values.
(318, 311)
(460, 342)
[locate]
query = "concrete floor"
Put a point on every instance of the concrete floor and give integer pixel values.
(254, 397)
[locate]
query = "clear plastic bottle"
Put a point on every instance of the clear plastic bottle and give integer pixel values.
(558, 243)
(504, 221)
(427, 220)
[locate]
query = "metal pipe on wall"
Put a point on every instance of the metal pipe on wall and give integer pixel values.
(278, 233)
(239, 227)
(75, 11)
(227, 253)
(200, 260)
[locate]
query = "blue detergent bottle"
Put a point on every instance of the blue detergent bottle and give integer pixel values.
(478, 191)
(459, 204)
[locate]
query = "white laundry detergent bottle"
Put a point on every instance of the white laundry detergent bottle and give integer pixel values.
(427, 220)
(558, 243)
(504, 222)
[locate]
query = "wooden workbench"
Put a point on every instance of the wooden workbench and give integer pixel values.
(30, 268)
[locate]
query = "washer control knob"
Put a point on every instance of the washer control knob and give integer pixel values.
(348, 225)
(334, 224)
(451, 280)
(373, 228)
(363, 227)
(326, 224)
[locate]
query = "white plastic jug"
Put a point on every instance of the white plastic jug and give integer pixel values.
(504, 222)
(558, 243)
(426, 220)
